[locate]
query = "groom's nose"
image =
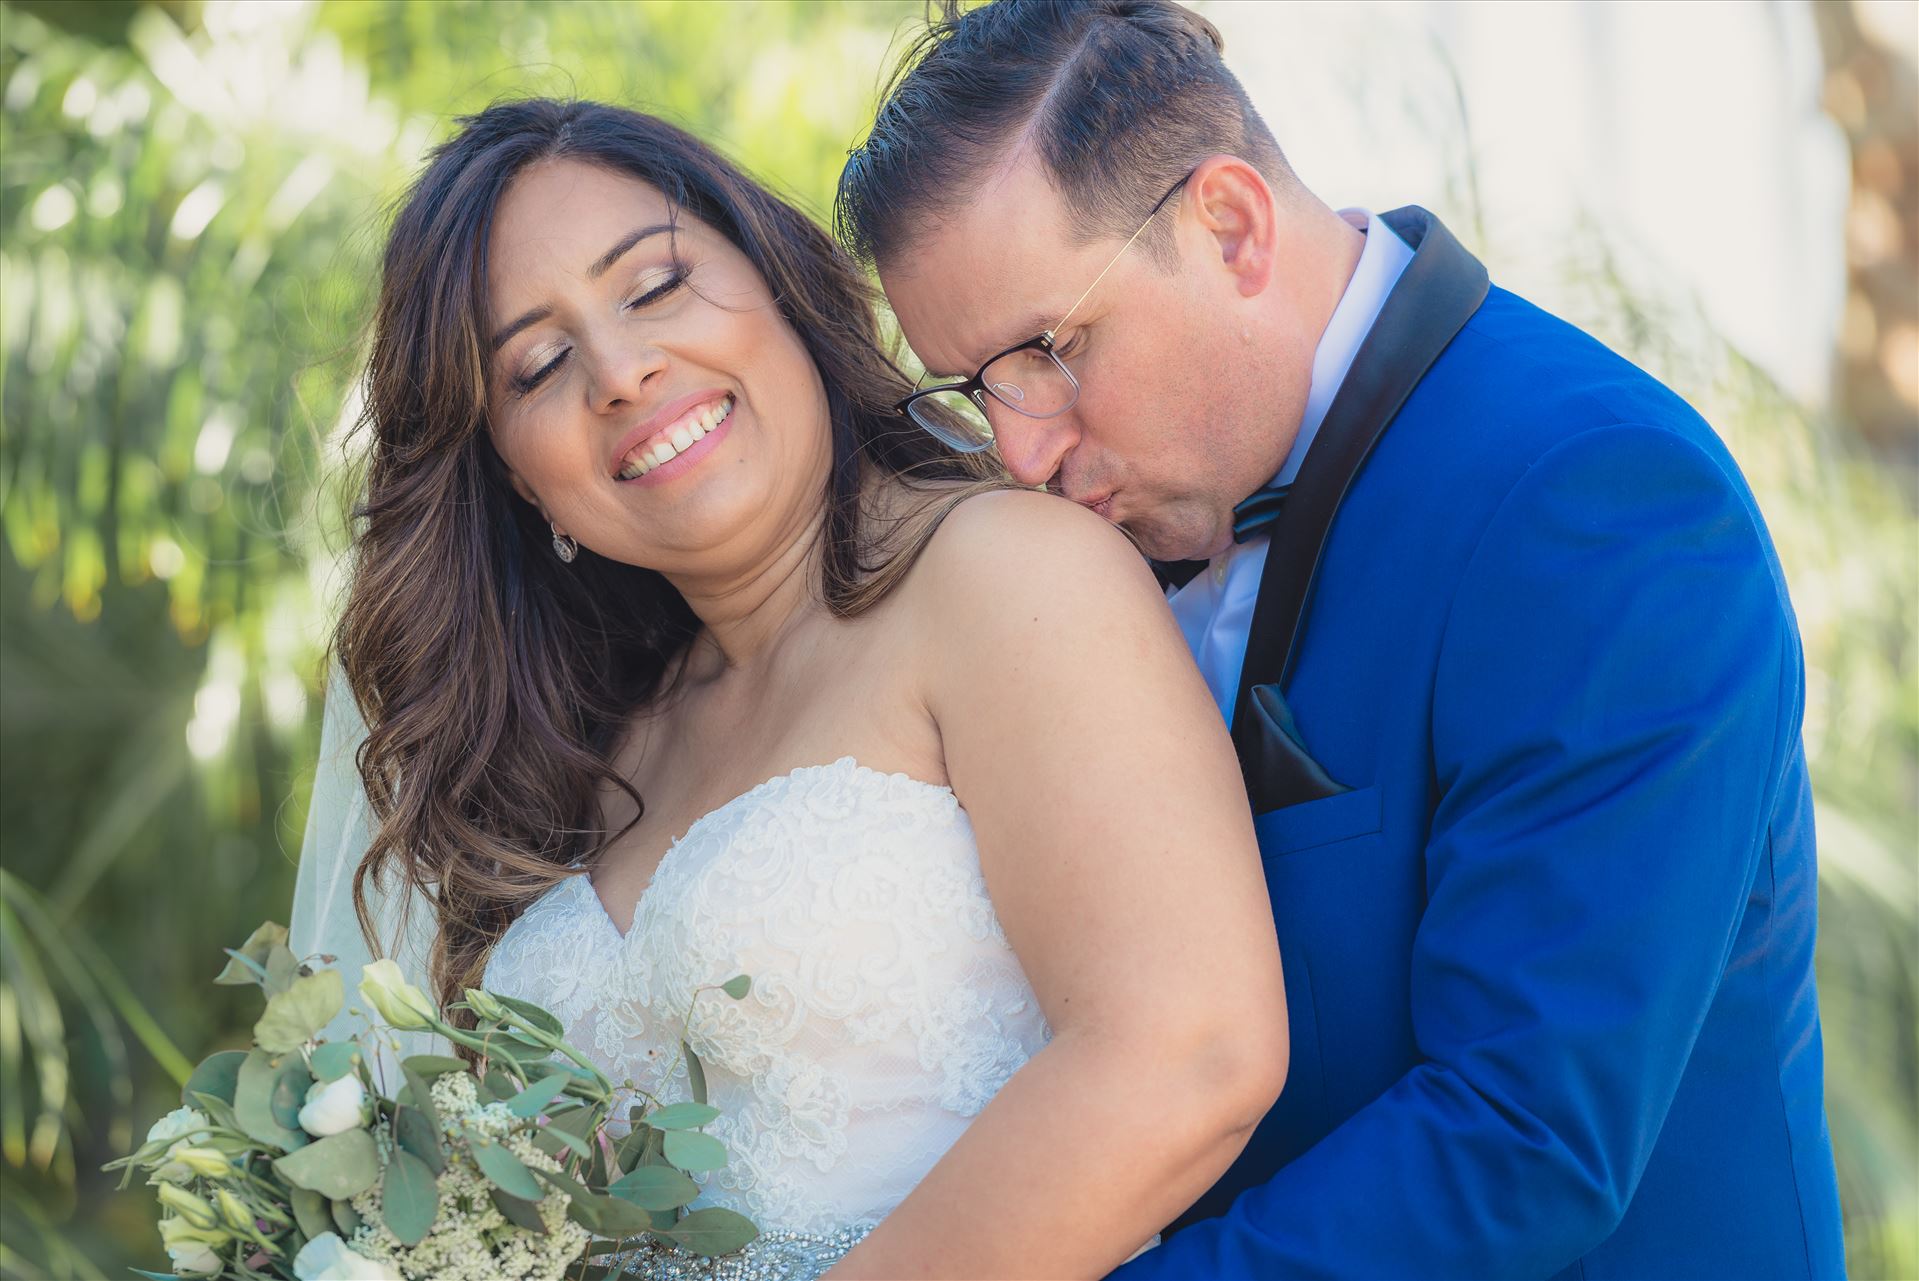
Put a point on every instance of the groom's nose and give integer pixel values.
(1032, 448)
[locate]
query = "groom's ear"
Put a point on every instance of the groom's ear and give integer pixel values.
(1236, 209)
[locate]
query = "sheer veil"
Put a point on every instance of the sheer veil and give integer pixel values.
(338, 833)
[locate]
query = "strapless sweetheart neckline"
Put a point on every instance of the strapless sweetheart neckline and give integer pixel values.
(886, 1006)
(847, 764)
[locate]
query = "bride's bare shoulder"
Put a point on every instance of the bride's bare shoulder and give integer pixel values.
(1023, 532)
(1019, 550)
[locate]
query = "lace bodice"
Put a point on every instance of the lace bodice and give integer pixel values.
(886, 1007)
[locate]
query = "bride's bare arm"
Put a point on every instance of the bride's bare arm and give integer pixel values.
(1117, 844)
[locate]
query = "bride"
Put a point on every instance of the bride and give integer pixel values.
(680, 654)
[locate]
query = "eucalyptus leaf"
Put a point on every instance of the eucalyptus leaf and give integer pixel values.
(629, 1151)
(254, 1097)
(691, 1150)
(289, 1094)
(249, 961)
(578, 1122)
(417, 1135)
(333, 1060)
(340, 1166)
(695, 1073)
(533, 1099)
(655, 1187)
(504, 1170)
(518, 1052)
(218, 1075)
(713, 1231)
(533, 1014)
(682, 1116)
(345, 1217)
(553, 1142)
(420, 1095)
(296, 1015)
(524, 1214)
(622, 1218)
(654, 1153)
(409, 1198)
(218, 1110)
(583, 1207)
(429, 1066)
(738, 986)
(283, 967)
(497, 1086)
(310, 1211)
(597, 1173)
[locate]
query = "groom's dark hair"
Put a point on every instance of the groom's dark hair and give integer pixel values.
(1121, 98)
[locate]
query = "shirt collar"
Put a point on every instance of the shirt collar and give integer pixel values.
(1380, 263)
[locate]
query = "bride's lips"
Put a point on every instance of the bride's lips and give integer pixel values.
(687, 459)
(671, 420)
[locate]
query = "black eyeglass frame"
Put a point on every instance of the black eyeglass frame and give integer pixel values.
(977, 389)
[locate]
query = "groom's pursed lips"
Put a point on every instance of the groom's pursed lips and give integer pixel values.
(1098, 502)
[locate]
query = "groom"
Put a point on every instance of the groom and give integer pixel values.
(1497, 626)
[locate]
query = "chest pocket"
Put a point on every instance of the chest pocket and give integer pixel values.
(1315, 823)
(1345, 903)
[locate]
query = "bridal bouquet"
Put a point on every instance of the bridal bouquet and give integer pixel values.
(285, 1160)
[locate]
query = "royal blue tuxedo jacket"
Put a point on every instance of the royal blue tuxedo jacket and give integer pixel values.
(1549, 960)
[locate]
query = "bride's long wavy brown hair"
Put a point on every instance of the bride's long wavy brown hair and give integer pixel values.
(495, 680)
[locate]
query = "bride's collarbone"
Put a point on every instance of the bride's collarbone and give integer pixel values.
(697, 755)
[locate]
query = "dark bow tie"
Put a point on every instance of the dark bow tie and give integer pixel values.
(1257, 514)
(1250, 519)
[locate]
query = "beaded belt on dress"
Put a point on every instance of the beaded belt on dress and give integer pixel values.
(773, 1256)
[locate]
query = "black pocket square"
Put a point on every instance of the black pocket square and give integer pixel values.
(1281, 772)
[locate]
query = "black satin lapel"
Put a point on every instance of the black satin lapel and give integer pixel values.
(1434, 298)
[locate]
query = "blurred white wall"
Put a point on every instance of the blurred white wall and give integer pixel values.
(1688, 133)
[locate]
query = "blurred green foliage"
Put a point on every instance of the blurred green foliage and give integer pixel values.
(192, 199)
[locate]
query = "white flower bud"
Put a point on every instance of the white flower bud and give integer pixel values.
(402, 1005)
(194, 1259)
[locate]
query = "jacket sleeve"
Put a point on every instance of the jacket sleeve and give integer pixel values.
(1617, 694)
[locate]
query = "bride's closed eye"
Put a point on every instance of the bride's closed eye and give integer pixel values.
(523, 383)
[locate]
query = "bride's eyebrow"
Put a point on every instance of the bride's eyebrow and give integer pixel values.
(599, 268)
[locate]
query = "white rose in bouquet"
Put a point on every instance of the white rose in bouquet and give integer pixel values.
(327, 1258)
(334, 1106)
(186, 1127)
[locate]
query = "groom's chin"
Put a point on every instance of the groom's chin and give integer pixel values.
(1174, 540)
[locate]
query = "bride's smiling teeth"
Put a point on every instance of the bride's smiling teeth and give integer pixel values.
(674, 440)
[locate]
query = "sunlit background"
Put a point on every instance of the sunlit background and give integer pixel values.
(193, 197)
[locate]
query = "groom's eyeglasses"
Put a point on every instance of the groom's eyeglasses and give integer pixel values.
(1028, 378)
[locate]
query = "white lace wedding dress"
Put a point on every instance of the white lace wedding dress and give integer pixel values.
(886, 1007)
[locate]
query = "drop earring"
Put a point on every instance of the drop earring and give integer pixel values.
(563, 547)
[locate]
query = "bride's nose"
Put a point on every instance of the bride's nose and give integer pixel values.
(618, 371)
